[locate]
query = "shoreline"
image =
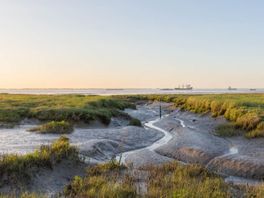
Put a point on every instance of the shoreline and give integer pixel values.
(129, 91)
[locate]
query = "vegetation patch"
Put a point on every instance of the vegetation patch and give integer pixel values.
(227, 130)
(58, 127)
(15, 169)
(176, 180)
(112, 180)
(135, 122)
(254, 191)
(107, 180)
(168, 180)
(258, 132)
(73, 108)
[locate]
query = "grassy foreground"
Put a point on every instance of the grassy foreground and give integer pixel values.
(112, 180)
(105, 180)
(246, 111)
(75, 108)
(169, 180)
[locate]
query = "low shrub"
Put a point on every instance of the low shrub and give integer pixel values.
(135, 122)
(61, 127)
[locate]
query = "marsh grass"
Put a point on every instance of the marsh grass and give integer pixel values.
(18, 169)
(112, 180)
(227, 130)
(135, 122)
(190, 181)
(74, 108)
(246, 111)
(258, 132)
(105, 180)
(169, 180)
(58, 127)
(254, 191)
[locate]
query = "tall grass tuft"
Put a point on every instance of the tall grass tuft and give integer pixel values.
(58, 127)
(105, 180)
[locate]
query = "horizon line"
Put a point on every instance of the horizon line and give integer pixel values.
(117, 88)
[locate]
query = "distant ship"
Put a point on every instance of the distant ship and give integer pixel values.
(184, 87)
(252, 89)
(231, 88)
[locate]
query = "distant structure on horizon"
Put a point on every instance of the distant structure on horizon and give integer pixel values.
(231, 88)
(184, 87)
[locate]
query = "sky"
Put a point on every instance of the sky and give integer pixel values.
(131, 43)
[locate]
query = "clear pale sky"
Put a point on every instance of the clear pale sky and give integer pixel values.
(131, 43)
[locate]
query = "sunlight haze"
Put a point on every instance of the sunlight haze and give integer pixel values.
(131, 44)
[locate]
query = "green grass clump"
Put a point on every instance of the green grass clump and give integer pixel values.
(18, 168)
(176, 180)
(258, 132)
(58, 127)
(99, 169)
(105, 180)
(135, 122)
(73, 108)
(246, 111)
(227, 130)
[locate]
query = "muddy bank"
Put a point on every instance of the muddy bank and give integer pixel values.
(248, 162)
(105, 144)
(195, 143)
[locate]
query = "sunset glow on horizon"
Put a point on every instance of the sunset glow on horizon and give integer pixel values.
(131, 44)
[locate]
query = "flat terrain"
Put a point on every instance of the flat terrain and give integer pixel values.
(182, 134)
(15, 109)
